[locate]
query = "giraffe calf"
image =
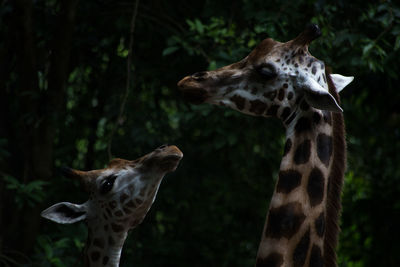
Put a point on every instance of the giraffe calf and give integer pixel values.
(120, 197)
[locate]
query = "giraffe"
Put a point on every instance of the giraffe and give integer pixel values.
(284, 80)
(120, 197)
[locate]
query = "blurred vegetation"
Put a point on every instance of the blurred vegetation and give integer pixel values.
(62, 80)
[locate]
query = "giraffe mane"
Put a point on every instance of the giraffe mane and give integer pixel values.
(335, 181)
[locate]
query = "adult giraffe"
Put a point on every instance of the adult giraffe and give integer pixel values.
(120, 197)
(286, 81)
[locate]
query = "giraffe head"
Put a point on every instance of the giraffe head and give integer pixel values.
(272, 80)
(120, 195)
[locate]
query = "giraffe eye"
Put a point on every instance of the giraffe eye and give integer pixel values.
(107, 184)
(267, 71)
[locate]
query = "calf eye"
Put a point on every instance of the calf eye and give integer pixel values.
(267, 71)
(107, 184)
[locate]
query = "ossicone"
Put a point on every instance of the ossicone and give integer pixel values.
(68, 172)
(310, 33)
(81, 176)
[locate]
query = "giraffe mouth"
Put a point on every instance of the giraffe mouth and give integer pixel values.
(165, 159)
(170, 162)
(192, 90)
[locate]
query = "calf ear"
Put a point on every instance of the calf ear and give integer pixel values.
(341, 81)
(65, 212)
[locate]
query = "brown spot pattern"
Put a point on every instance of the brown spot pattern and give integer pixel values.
(131, 204)
(300, 252)
(112, 204)
(117, 228)
(105, 260)
(316, 259)
(94, 256)
(315, 186)
(123, 197)
(320, 225)
(258, 107)
(314, 70)
(281, 94)
(324, 148)
(126, 210)
(239, 101)
(303, 152)
(272, 110)
(272, 260)
(327, 117)
(302, 125)
(288, 180)
(98, 242)
(316, 117)
(284, 221)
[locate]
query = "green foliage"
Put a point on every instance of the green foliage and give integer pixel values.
(52, 253)
(211, 211)
(29, 194)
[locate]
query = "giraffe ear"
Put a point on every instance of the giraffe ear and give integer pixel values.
(341, 81)
(318, 97)
(65, 213)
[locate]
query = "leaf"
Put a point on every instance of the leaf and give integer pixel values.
(251, 43)
(213, 65)
(11, 182)
(199, 26)
(62, 243)
(367, 48)
(169, 50)
(190, 23)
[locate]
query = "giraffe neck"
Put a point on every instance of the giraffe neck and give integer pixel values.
(103, 248)
(106, 239)
(301, 226)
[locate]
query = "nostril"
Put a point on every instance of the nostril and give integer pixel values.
(199, 75)
(163, 146)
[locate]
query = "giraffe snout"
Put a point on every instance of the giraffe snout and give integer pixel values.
(193, 91)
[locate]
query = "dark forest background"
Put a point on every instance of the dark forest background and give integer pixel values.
(63, 81)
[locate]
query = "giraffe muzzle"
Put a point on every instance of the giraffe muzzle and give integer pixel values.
(192, 89)
(165, 158)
